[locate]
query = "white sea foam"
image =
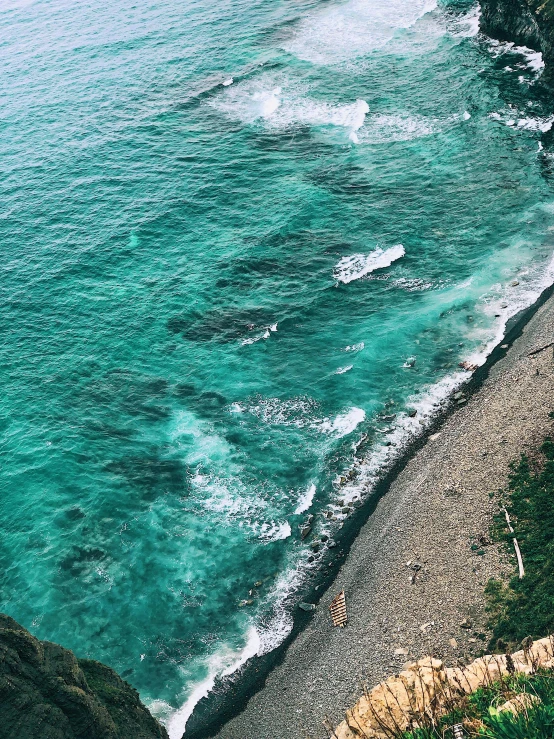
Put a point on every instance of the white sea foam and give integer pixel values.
(286, 105)
(467, 26)
(222, 664)
(228, 82)
(386, 128)
(344, 423)
(415, 284)
(266, 333)
(525, 122)
(342, 370)
(306, 499)
(358, 265)
(280, 103)
(355, 347)
(536, 124)
(533, 59)
(343, 32)
(267, 102)
(275, 531)
(289, 412)
(274, 628)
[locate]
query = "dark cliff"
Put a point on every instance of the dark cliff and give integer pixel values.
(47, 693)
(527, 23)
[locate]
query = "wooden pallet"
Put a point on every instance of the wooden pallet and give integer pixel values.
(338, 610)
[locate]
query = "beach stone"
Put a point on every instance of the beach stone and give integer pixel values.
(412, 413)
(305, 530)
(515, 283)
(331, 543)
(346, 510)
(466, 624)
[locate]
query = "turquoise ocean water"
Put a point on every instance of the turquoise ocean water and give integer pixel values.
(240, 241)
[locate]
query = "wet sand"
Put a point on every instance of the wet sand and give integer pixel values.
(435, 509)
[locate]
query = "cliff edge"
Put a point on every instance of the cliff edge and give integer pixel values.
(46, 692)
(526, 23)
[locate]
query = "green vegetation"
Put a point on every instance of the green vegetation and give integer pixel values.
(481, 712)
(524, 607)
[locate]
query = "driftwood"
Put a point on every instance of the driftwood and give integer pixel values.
(516, 546)
(338, 610)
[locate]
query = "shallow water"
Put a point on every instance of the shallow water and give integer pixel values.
(234, 238)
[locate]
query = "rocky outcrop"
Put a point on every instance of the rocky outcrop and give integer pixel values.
(525, 22)
(429, 688)
(47, 693)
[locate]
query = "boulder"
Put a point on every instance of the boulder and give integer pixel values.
(47, 692)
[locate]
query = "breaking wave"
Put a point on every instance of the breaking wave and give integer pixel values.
(358, 265)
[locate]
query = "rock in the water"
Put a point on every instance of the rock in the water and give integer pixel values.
(48, 693)
(526, 23)
(307, 606)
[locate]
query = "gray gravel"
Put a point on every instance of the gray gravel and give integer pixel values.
(435, 509)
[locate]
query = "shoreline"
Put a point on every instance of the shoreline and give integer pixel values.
(219, 713)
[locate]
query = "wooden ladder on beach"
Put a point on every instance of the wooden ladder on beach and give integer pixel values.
(338, 610)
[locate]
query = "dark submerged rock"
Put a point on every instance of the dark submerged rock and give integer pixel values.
(47, 692)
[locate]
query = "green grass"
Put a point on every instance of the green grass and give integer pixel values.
(480, 716)
(525, 607)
